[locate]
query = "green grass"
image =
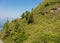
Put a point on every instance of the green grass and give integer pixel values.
(44, 29)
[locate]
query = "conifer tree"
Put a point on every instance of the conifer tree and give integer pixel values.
(31, 20)
(29, 17)
(23, 15)
(27, 14)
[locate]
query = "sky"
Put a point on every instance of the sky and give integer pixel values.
(14, 8)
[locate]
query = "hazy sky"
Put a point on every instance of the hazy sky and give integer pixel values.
(14, 8)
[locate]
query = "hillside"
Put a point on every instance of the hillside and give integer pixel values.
(41, 25)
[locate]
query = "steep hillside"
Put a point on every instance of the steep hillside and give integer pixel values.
(41, 25)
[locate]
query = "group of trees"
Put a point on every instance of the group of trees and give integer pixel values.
(12, 31)
(29, 16)
(46, 31)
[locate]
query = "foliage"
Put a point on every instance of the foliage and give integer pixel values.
(23, 15)
(29, 17)
(36, 26)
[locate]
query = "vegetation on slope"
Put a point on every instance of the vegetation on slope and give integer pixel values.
(41, 25)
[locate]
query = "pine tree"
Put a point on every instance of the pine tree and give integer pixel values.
(29, 17)
(27, 14)
(31, 20)
(23, 15)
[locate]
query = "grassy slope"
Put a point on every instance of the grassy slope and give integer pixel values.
(45, 29)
